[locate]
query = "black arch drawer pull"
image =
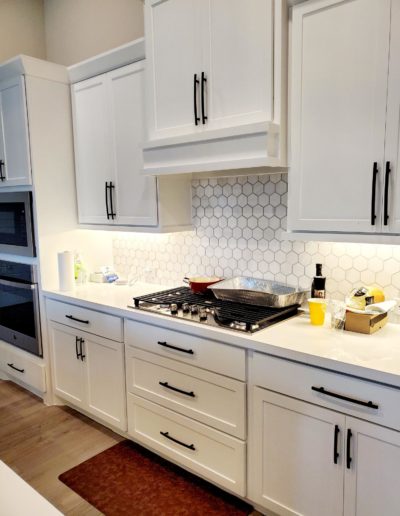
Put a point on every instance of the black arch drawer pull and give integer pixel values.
(2, 177)
(187, 393)
(76, 319)
(165, 345)
(348, 449)
(368, 404)
(166, 434)
(16, 368)
(335, 445)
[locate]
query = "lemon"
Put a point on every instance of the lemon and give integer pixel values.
(378, 294)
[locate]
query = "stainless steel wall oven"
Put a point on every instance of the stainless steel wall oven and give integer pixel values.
(19, 306)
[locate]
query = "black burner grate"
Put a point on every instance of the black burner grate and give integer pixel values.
(255, 317)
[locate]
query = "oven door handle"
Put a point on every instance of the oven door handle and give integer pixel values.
(16, 284)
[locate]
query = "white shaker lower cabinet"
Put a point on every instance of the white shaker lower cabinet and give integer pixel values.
(305, 459)
(372, 481)
(214, 455)
(88, 371)
(292, 467)
(187, 401)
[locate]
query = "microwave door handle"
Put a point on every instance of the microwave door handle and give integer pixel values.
(16, 284)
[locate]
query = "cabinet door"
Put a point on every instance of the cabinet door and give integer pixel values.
(238, 62)
(93, 140)
(339, 65)
(392, 145)
(173, 55)
(291, 456)
(372, 484)
(14, 138)
(135, 194)
(68, 368)
(105, 377)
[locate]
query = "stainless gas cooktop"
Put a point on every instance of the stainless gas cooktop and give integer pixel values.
(182, 303)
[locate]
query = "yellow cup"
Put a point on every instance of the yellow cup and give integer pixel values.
(317, 311)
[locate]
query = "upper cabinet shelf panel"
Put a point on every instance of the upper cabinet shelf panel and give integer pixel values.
(15, 163)
(215, 73)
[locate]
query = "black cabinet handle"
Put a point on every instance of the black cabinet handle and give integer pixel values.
(195, 83)
(111, 189)
(348, 449)
(203, 108)
(76, 319)
(16, 368)
(2, 177)
(165, 345)
(82, 341)
(187, 393)
(335, 445)
(78, 355)
(374, 175)
(386, 197)
(166, 434)
(107, 207)
(368, 404)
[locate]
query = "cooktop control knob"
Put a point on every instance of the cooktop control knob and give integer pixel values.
(203, 314)
(174, 309)
(185, 308)
(194, 309)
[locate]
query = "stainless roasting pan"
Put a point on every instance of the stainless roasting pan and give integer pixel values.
(252, 291)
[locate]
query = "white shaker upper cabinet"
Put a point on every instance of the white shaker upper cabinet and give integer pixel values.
(15, 164)
(93, 158)
(108, 115)
(173, 37)
(135, 194)
(108, 123)
(339, 69)
(238, 62)
(391, 190)
(215, 84)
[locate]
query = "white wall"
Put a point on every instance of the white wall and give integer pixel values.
(79, 29)
(22, 29)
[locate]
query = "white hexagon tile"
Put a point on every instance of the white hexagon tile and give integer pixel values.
(238, 225)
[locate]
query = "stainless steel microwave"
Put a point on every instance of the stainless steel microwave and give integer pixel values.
(16, 224)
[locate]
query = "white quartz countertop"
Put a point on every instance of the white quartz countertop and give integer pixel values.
(17, 498)
(375, 357)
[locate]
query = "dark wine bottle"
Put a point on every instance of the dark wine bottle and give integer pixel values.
(318, 283)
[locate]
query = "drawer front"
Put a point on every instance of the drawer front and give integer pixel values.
(212, 454)
(196, 351)
(104, 325)
(328, 389)
(17, 364)
(210, 398)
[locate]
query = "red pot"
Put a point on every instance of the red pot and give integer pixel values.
(199, 284)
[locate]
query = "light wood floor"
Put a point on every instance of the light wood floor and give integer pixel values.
(39, 443)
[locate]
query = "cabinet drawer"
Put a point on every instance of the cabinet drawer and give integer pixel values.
(210, 398)
(306, 382)
(104, 325)
(200, 352)
(18, 364)
(214, 455)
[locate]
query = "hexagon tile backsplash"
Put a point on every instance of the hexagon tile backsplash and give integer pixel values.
(238, 225)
